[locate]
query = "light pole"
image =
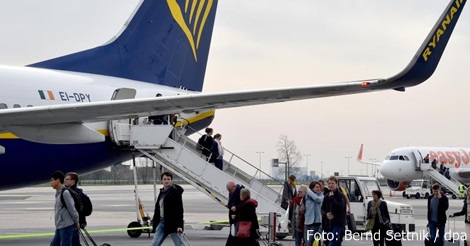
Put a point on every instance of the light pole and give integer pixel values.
(259, 171)
(308, 173)
(321, 174)
(374, 167)
(348, 157)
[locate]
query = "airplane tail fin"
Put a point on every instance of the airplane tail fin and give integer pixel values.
(359, 155)
(164, 42)
(426, 59)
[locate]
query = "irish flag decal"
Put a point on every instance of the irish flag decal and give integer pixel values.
(46, 95)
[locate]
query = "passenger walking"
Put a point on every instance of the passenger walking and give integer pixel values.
(247, 220)
(289, 191)
(378, 218)
(70, 181)
(313, 216)
(168, 215)
(65, 214)
(437, 207)
(298, 209)
(205, 142)
(233, 202)
(324, 189)
(334, 213)
(466, 212)
(217, 152)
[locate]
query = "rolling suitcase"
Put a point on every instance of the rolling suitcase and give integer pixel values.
(185, 239)
(85, 241)
(452, 241)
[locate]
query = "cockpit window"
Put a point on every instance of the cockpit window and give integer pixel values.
(398, 157)
(3, 105)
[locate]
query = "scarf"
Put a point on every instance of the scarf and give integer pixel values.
(219, 147)
(375, 211)
(292, 183)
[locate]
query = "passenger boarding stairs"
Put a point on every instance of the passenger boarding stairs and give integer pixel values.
(178, 154)
(452, 184)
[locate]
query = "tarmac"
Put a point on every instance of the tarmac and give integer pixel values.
(27, 217)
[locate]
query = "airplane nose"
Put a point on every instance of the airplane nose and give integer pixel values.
(399, 171)
(388, 170)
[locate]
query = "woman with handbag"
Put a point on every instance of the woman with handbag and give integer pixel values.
(378, 218)
(248, 227)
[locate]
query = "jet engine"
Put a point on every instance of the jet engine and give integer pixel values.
(397, 185)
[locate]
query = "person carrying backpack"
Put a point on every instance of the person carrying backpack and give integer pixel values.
(204, 143)
(85, 207)
(66, 217)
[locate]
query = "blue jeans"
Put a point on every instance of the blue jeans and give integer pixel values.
(337, 232)
(63, 236)
(160, 235)
(433, 226)
(298, 237)
(309, 233)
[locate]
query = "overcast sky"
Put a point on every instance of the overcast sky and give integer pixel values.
(281, 43)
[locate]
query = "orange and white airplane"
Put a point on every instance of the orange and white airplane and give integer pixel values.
(404, 165)
(54, 114)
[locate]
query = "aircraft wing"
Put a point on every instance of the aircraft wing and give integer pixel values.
(130, 108)
(420, 68)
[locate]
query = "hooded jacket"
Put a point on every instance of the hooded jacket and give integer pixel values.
(172, 209)
(247, 212)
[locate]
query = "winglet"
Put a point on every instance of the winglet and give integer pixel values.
(359, 155)
(426, 59)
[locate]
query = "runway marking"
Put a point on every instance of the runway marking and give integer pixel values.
(48, 234)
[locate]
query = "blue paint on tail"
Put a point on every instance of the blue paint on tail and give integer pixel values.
(166, 42)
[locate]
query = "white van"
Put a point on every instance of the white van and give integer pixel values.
(360, 193)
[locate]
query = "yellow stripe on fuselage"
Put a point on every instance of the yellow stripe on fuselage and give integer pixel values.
(196, 118)
(7, 135)
(105, 132)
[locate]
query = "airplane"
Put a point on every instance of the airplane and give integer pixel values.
(401, 165)
(54, 114)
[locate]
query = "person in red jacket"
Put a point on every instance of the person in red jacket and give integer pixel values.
(247, 213)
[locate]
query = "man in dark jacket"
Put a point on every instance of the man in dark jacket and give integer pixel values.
(168, 216)
(334, 213)
(232, 204)
(437, 207)
(71, 180)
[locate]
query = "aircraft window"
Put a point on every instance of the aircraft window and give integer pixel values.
(406, 158)
(3, 106)
(16, 106)
(402, 158)
(29, 106)
(394, 157)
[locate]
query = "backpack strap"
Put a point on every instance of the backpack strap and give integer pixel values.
(62, 197)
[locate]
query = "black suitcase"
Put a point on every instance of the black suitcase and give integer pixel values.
(351, 222)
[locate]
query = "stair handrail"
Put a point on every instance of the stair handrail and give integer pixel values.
(233, 155)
